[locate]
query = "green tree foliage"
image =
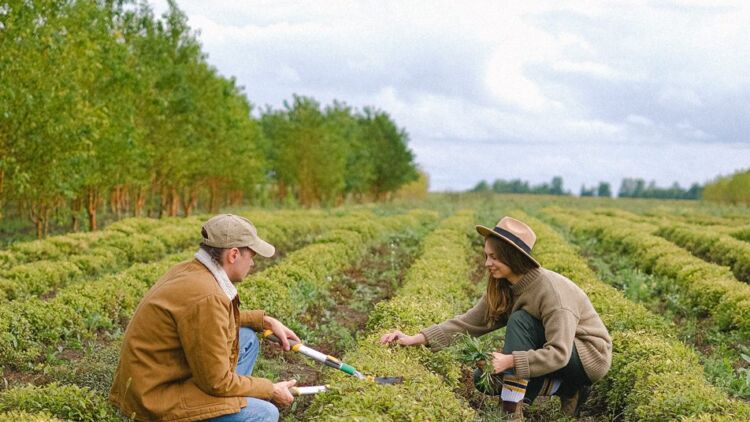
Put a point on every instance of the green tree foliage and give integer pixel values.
(393, 161)
(102, 103)
(319, 156)
(734, 189)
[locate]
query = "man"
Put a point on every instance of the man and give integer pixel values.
(188, 351)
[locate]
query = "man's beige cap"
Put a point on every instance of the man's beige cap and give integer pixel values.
(232, 231)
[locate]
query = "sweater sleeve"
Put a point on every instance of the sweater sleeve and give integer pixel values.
(559, 330)
(474, 322)
(203, 334)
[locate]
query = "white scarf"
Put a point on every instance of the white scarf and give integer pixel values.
(219, 274)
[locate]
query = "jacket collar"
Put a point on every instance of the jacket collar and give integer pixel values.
(526, 282)
(219, 274)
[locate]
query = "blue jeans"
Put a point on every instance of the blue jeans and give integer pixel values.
(257, 410)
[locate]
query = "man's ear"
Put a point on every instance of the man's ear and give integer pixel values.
(231, 255)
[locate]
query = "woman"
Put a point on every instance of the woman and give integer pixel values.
(555, 342)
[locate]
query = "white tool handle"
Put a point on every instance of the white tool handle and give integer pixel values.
(303, 391)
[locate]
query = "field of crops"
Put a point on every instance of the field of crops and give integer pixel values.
(669, 279)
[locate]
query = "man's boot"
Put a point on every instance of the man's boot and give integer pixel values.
(571, 406)
(513, 411)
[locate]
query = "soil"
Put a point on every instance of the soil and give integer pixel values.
(378, 275)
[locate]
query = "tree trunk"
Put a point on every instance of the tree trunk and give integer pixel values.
(113, 200)
(174, 203)
(39, 214)
(282, 191)
(124, 202)
(140, 202)
(213, 202)
(92, 200)
(75, 208)
(236, 197)
(2, 178)
(189, 201)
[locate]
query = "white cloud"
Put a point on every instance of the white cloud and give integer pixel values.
(680, 97)
(597, 70)
(639, 120)
(547, 78)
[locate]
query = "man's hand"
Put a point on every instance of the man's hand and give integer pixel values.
(280, 330)
(501, 362)
(281, 394)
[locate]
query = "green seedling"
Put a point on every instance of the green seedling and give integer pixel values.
(472, 351)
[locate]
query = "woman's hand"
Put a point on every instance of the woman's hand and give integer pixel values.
(398, 337)
(280, 330)
(501, 362)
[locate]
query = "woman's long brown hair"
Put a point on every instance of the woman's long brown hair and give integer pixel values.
(499, 295)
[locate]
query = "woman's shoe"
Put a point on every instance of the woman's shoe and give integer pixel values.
(571, 406)
(513, 411)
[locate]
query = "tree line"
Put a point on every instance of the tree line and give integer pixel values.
(555, 187)
(638, 188)
(629, 188)
(102, 104)
(732, 189)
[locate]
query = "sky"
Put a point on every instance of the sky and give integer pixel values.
(593, 91)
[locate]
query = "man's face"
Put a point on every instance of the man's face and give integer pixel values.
(239, 263)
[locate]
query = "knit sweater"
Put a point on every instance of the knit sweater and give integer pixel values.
(566, 314)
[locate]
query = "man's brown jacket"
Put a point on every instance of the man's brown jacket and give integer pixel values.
(180, 351)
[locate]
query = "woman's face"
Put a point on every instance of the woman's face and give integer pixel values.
(496, 268)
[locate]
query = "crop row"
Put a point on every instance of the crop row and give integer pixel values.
(738, 229)
(707, 287)
(720, 244)
(435, 287)
(281, 290)
(36, 268)
(699, 218)
(61, 247)
(654, 377)
(29, 328)
(712, 245)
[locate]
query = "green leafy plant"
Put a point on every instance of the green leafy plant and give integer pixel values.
(473, 351)
(745, 355)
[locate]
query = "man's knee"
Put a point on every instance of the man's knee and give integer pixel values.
(265, 411)
(247, 332)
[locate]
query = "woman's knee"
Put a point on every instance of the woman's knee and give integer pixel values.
(521, 318)
(524, 332)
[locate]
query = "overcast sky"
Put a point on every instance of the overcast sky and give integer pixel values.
(588, 90)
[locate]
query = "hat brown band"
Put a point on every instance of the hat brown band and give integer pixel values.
(513, 238)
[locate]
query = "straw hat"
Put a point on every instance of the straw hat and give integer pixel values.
(514, 232)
